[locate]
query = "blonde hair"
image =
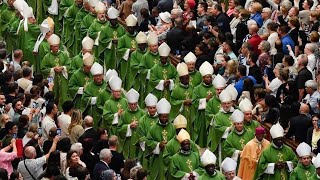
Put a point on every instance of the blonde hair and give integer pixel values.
(232, 67)
(76, 119)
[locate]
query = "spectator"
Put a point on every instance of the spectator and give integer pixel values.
(313, 134)
(175, 35)
(227, 48)
(79, 172)
(242, 74)
(137, 7)
(89, 132)
(231, 72)
(11, 130)
(48, 121)
(53, 167)
(313, 96)
(288, 63)
(272, 87)
(25, 81)
(12, 92)
(18, 108)
(125, 9)
(266, 17)
(300, 124)
(3, 174)
(294, 25)
(255, 39)
(187, 14)
(108, 175)
(75, 128)
(128, 165)
(256, 9)
(31, 168)
(314, 19)
(48, 142)
(273, 35)
(254, 70)
(273, 114)
(88, 157)
(146, 20)
(232, 7)
(64, 119)
(133, 172)
(235, 21)
(285, 39)
(64, 146)
(17, 57)
(142, 174)
(7, 157)
(202, 15)
(73, 160)
(4, 119)
(264, 56)
(309, 50)
(222, 20)
(103, 164)
(23, 125)
(117, 160)
(201, 52)
(102, 140)
(303, 75)
(15, 175)
(242, 29)
(222, 69)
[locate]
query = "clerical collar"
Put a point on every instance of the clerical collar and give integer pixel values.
(155, 115)
(154, 53)
(134, 109)
(54, 52)
(185, 152)
(239, 133)
(247, 122)
(133, 35)
(185, 86)
(163, 124)
(206, 84)
(276, 146)
(225, 112)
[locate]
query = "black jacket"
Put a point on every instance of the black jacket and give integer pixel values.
(299, 126)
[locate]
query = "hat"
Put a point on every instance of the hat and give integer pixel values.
(110, 73)
(316, 161)
(163, 106)
(164, 50)
(183, 135)
(303, 150)
(44, 27)
(208, 158)
(152, 38)
(100, 7)
(115, 83)
(27, 13)
(141, 38)
(151, 100)
(182, 69)
(132, 96)
(276, 131)
(165, 16)
(93, 3)
(53, 39)
(219, 82)
(50, 23)
(113, 13)
(245, 105)
(190, 58)
(260, 130)
(206, 68)
(191, 3)
(88, 59)
(19, 5)
(233, 91)
(237, 116)
(225, 96)
(87, 43)
(228, 165)
(180, 122)
(131, 20)
(96, 69)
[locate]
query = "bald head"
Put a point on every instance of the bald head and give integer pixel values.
(304, 108)
(113, 141)
(88, 121)
(253, 29)
(30, 152)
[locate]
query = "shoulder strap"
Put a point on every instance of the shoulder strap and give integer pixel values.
(24, 161)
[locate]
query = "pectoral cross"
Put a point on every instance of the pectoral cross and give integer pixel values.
(100, 90)
(189, 165)
(57, 62)
(209, 92)
(134, 119)
(155, 61)
(280, 156)
(242, 143)
(164, 135)
(86, 81)
(133, 44)
(165, 74)
(190, 81)
(308, 175)
(187, 95)
(115, 35)
(119, 106)
(152, 123)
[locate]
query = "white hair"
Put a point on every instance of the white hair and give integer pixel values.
(312, 84)
(76, 147)
(251, 22)
(105, 153)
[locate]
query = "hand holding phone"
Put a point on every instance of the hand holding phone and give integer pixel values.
(59, 131)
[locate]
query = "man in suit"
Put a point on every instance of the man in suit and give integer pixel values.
(89, 131)
(102, 165)
(175, 35)
(299, 125)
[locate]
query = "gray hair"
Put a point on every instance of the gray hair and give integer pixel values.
(107, 174)
(76, 147)
(105, 153)
(133, 172)
(311, 47)
(265, 45)
(279, 66)
(287, 4)
(312, 84)
(267, 10)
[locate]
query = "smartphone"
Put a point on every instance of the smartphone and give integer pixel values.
(14, 136)
(50, 79)
(40, 131)
(34, 105)
(59, 131)
(304, 101)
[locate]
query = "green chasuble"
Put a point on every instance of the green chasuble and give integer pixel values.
(213, 107)
(78, 79)
(251, 126)
(94, 30)
(60, 87)
(103, 97)
(236, 141)
(173, 147)
(182, 163)
(200, 124)
(130, 141)
(6, 18)
(147, 61)
(27, 40)
(157, 134)
(216, 176)
(145, 122)
(179, 94)
(3, 6)
(77, 62)
(110, 114)
(315, 176)
(86, 23)
(69, 27)
(195, 78)
(44, 48)
(11, 38)
(303, 172)
(273, 155)
(221, 121)
(161, 72)
(107, 48)
(75, 41)
(126, 42)
(92, 90)
(63, 6)
(41, 9)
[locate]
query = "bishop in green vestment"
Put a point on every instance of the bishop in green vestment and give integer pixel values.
(201, 95)
(56, 64)
(128, 126)
(108, 40)
(162, 75)
(238, 137)
(277, 160)
(316, 163)
(159, 135)
(246, 107)
(181, 96)
(89, 96)
(208, 160)
(113, 108)
(185, 163)
(304, 169)
(195, 76)
(229, 169)
(80, 79)
(126, 45)
(7, 15)
(64, 5)
(145, 123)
(221, 125)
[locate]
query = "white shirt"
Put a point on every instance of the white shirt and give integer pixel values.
(47, 124)
(311, 62)
(64, 121)
(272, 40)
(24, 83)
(274, 85)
